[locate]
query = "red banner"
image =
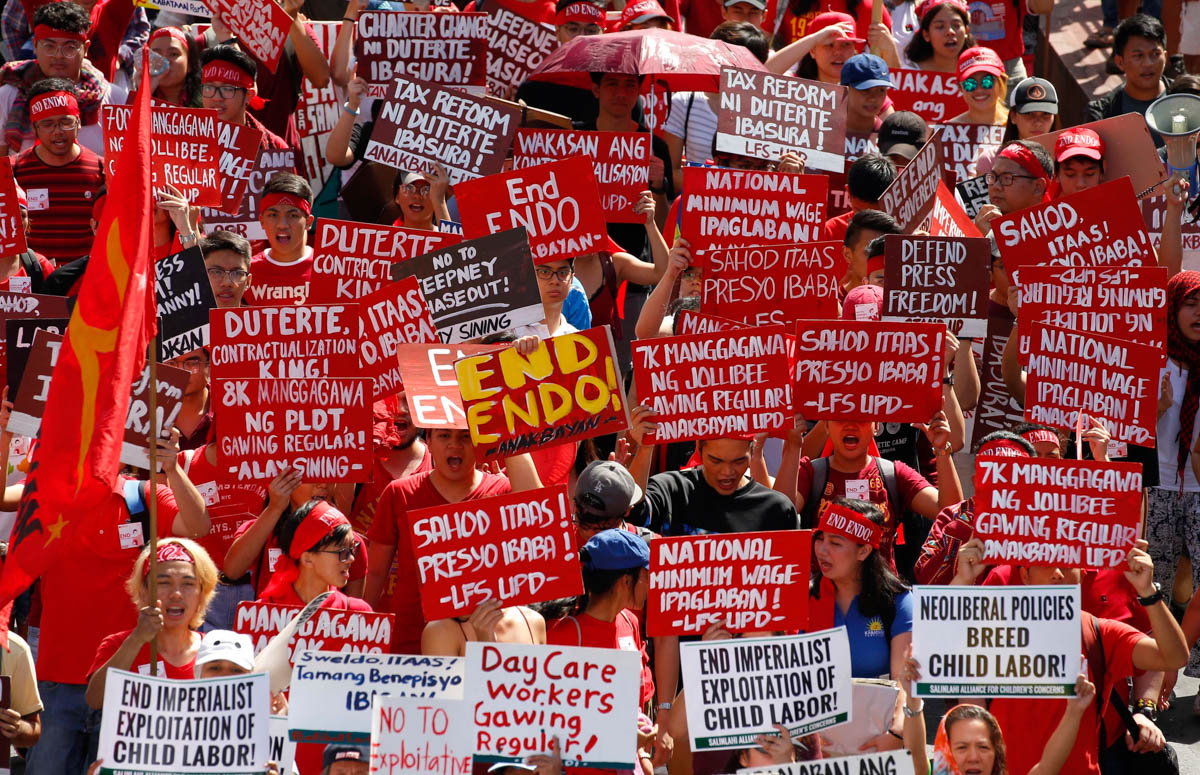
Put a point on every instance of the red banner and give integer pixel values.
(352, 259)
(1057, 513)
(516, 46)
(445, 49)
(12, 228)
(714, 386)
(567, 390)
(430, 385)
(285, 342)
(726, 208)
(858, 370)
(558, 204)
(947, 218)
(517, 548)
(330, 629)
(186, 153)
(774, 283)
(933, 96)
(620, 160)
(395, 313)
(1111, 379)
(911, 196)
(692, 322)
(261, 26)
(750, 581)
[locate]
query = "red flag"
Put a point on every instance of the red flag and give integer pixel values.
(76, 464)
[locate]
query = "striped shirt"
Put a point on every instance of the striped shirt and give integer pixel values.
(60, 203)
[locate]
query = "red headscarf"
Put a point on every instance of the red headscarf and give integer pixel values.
(1187, 354)
(321, 521)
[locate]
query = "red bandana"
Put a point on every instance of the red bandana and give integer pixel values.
(288, 200)
(1042, 434)
(321, 521)
(171, 552)
(43, 31)
(850, 524)
(170, 32)
(223, 72)
(1002, 448)
(930, 5)
(53, 104)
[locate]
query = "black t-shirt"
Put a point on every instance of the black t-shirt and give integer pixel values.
(683, 503)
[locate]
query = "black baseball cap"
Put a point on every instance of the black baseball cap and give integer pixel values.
(1035, 95)
(902, 133)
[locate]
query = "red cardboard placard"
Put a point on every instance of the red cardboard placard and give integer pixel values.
(962, 144)
(1099, 226)
(566, 390)
(395, 313)
(261, 26)
(620, 161)
(169, 387)
(712, 386)
(938, 279)
(237, 163)
(558, 204)
(997, 410)
(244, 220)
(860, 370)
(726, 208)
(352, 259)
(517, 548)
(186, 154)
(330, 629)
(751, 581)
(445, 49)
(772, 284)
(933, 96)
(1057, 513)
(692, 322)
(318, 340)
(947, 218)
(1112, 379)
(430, 384)
(1127, 302)
(911, 196)
(320, 426)
(12, 229)
(516, 46)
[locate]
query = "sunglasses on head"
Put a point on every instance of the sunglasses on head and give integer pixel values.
(971, 84)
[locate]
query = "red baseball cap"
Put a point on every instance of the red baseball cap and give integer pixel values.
(926, 6)
(828, 19)
(642, 11)
(979, 58)
(1078, 142)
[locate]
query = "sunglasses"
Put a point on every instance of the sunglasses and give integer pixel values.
(971, 84)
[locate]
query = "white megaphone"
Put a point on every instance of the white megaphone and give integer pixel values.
(1177, 118)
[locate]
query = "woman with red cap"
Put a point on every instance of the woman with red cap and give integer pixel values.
(944, 33)
(317, 549)
(801, 18)
(983, 84)
(824, 56)
(186, 578)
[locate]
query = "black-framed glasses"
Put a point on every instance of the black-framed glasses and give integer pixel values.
(1005, 179)
(226, 91)
(343, 555)
(234, 275)
(545, 273)
(971, 84)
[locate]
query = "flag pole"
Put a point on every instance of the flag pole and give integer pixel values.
(152, 501)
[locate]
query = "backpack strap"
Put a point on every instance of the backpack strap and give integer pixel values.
(33, 268)
(578, 629)
(887, 472)
(135, 499)
(816, 491)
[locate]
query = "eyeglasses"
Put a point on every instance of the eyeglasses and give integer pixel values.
(194, 363)
(68, 124)
(413, 188)
(343, 555)
(233, 275)
(227, 92)
(545, 273)
(70, 48)
(971, 84)
(1005, 179)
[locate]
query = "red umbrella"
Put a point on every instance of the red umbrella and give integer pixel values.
(680, 61)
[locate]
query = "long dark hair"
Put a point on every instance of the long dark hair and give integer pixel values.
(977, 713)
(918, 49)
(595, 583)
(880, 584)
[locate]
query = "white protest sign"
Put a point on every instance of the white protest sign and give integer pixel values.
(283, 748)
(211, 726)
(739, 689)
(332, 691)
(886, 763)
(996, 641)
(420, 736)
(523, 696)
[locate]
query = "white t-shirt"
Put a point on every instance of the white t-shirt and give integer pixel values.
(696, 128)
(1168, 432)
(540, 330)
(90, 137)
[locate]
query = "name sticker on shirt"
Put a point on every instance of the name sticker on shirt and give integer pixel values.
(273, 557)
(39, 199)
(1117, 449)
(208, 491)
(19, 284)
(858, 489)
(131, 535)
(145, 669)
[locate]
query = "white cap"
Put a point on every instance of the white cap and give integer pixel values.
(228, 646)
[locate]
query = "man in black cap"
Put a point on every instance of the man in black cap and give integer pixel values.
(604, 493)
(346, 760)
(901, 135)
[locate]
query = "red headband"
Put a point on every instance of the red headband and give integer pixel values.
(170, 32)
(584, 13)
(929, 5)
(1042, 434)
(223, 72)
(42, 31)
(53, 104)
(850, 524)
(1002, 448)
(1023, 156)
(321, 521)
(170, 552)
(875, 263)
(276, 198)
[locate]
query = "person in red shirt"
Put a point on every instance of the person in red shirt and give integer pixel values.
(180, 84)
(282, 271)
(185, 579)
(801, 18)
(399, 452)
(318, 547)
(227, 85)
(867, 178)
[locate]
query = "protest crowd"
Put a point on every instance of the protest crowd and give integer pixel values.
(669, 387)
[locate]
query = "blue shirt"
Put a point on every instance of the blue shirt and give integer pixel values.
(575, 309)
(870, 652)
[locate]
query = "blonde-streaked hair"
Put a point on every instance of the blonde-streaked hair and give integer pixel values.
(206, 574)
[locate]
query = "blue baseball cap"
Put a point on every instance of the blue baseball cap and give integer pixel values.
(616, 549)
(865, 71)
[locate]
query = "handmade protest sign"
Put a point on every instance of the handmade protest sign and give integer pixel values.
(765, 116)
(320, 426)
(889, 762)
(190, 7)
(1111, 379)
(12, 230)
(567, 390)
(244, 219)
(1126, 302)
(854, 370)
(478, 287)
(330, 629)
(739, 689)
(171, 382)
(332, 692)
(523, 696)
(772, 284)
(422, 125)
(1127, 145)
(943, 280)
(963, 143)
(714, 386)
(911, 195)
(18, 341)
(973, 194)
(693, 322)
(262, 31)
(516, 45)
(317, 340)
(947, 218)
(420, 735)
(1057, 513)
(283, 749)
(317, 112)
(517, 548)
(558, 204)
(395, 313)
(1154, 213)
(430, 384)
(1020, 641)
(167, 725)
(16, 305)
(750, 581)
(185, 152)
(620, 161)
(724, 208)
(29, 401)
(185, 296)
(997, 410)
(441, 49)
(1100, 226)
(352, 259)
(933, 96)
(238, 158)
